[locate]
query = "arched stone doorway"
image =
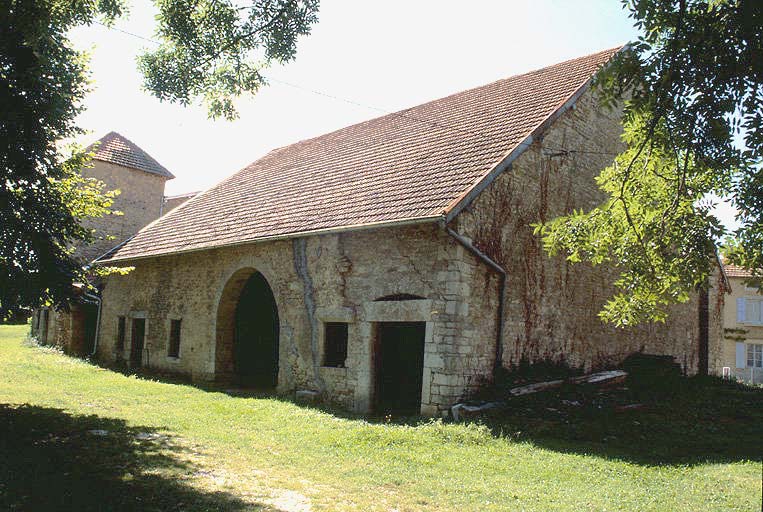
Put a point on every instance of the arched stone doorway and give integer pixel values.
(246, 352)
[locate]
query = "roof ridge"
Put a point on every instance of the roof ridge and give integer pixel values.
(398, 113)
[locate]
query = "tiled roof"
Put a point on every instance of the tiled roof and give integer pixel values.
(735, 271)
(411, 166)
(116, 149)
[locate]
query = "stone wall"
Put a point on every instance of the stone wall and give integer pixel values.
(140, 201)
(61, 328)
(138, 204)
(172, 202)
(552, 305)
(314, 280)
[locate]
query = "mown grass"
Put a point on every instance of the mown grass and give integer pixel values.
(77, 437)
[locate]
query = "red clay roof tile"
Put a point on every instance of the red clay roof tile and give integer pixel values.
(410, 165)
(736, 271)
(116, 149)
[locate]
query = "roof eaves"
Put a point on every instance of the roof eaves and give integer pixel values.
(167, 175)
(105, 255)
(288, 236)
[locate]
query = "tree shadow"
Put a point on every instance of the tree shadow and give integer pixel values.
(653, 420)
(53, 460)
(684, 421)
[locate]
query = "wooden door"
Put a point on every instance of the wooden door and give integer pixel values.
(399, 367)
(255, 350)
(138, 341)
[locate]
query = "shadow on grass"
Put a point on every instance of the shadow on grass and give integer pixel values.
(684, 421)
(52, 460)
(666, 421)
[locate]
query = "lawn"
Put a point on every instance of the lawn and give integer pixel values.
(74, 436)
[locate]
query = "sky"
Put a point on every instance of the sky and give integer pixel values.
(362, 59)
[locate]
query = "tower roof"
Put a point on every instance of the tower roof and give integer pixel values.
(117, 149)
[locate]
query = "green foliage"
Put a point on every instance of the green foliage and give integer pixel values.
(693, 125)
(212, 49)
(215, 49)
(656, 227)
(734, 250)
(85, 197)
(42, 82)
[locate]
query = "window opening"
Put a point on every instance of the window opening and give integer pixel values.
(335, 344)
(174, 346)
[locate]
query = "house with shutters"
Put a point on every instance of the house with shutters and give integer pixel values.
(391, 266)
(742, 350)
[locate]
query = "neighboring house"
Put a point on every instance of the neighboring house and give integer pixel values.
(743, 328)
(392, 265)
(120, 165)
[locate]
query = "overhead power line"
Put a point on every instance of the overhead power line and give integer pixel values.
(110, 27)
(558, 151)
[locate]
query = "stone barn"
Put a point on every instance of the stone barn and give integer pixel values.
(390, 265)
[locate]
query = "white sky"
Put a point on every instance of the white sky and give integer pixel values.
(388, 55)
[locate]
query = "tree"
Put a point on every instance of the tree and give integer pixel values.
(215, 49)
(211, 50)
(693, 125)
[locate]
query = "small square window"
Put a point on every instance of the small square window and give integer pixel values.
(335, 344)
(120, 333)
(174, 346)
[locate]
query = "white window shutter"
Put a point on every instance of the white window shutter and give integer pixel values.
(741, 355)
(740, 310)
(752, 311)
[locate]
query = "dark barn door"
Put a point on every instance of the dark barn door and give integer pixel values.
(255, 350)
(91, 324)
(138, 340)
(399, 367)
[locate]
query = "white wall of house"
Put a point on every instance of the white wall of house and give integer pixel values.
(743, 332)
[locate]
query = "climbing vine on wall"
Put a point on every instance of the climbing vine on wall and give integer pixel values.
(503, 230)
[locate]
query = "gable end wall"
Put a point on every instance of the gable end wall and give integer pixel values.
(551, 305)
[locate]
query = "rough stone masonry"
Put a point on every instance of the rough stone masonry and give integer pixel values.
(550, 306)
(448, 276)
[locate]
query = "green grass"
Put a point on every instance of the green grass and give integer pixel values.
(177, 447)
